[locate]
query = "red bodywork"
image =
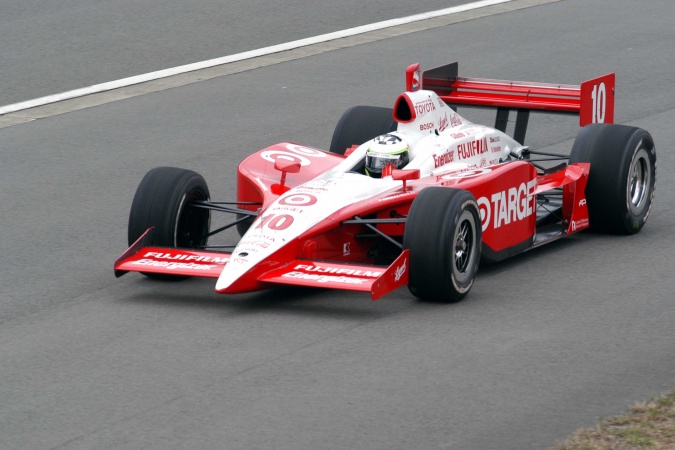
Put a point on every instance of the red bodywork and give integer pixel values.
(335, 252)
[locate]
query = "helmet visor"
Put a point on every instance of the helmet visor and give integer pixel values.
(377, 161)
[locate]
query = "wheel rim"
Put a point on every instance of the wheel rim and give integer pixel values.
(639, 182)
(464, 247)
(193, 223)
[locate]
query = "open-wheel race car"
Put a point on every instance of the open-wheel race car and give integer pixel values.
(415, 195)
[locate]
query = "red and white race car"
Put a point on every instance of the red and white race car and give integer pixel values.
(349, 218)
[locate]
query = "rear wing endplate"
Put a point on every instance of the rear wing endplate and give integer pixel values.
(592, 100)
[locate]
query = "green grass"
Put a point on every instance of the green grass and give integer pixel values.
(646, 426)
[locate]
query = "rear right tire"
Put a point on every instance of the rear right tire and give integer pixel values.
(622, 179)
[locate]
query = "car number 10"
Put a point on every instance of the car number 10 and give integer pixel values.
(276, 222)
(599, 96)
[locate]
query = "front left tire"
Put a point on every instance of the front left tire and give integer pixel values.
(163, 200)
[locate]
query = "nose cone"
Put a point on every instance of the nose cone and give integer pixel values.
(271, 241)
(249, 260)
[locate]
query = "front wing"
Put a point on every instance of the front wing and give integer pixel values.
(378, 281)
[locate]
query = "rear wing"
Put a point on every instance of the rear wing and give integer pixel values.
(592, 100)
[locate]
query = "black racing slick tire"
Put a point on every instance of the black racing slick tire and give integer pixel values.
(443, 234)
(162, 200)
(360, 124)
(622, 179)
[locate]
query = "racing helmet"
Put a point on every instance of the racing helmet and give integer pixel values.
(387, 149)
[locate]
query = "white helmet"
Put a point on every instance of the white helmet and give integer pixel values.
(383, 150)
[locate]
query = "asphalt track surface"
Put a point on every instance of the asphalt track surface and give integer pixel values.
(50, 47)
(546, 342)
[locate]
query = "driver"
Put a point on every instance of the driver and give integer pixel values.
(385, 153)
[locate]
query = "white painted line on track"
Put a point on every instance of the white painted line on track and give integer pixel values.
(124, 82)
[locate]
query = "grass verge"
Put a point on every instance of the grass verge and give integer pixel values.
(646, 426)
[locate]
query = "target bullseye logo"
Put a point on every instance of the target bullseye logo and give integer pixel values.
(293, 153)
(298, 200)
(273, 155)
(484, 211)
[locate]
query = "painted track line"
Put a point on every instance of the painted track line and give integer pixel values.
(203, 70)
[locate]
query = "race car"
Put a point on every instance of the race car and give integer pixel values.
(412, 195)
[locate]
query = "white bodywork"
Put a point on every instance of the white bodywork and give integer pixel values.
(440, 141)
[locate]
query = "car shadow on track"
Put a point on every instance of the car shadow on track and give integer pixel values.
(539, 255)
(198, 294)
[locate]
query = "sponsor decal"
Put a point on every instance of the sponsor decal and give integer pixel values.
(466, 173)
(275, 222)
(496, 149)
(394, 197)
(398, 273)
(287, 209)
(416, 80)
(337, 270)
(298, 200)
(259, 236)
(324, 278)
(273, 155)
(507, 206)
(173, 265)
(261, 244)
(186, 257)
(427, 126)
(318, 184)
(238, 260)
(467, 150)
(457, 135)
(299, 149)
(314, 188)
(444, 158)
(484, 211)
(455, 120)
(293, 153)
(443, 123)
(425, 107)
(582, 202)
(577, 224)
(494, 139)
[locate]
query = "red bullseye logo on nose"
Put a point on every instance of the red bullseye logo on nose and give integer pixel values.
(298, 200)
(272, 155)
